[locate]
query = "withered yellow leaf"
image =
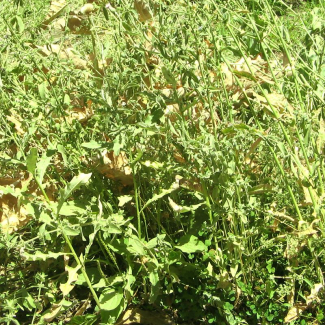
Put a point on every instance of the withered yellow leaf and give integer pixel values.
(72, 277)
(143, 9)
(87, 9)
(294, 312)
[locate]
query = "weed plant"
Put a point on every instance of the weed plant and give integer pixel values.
(167, 155)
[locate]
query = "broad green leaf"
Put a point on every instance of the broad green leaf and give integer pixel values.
(155, 287)
(25, 299)
(9, 190)
(93, 275)
(66, 99)
(42, 165)
(75, 183)
(169, 76)
(110, 299)
(30, 209)
(117, 147)
(153, 277)
(130, 279)
(45, 218)
(122, 200)
(42, 89)
(69, 231)
(62, 151)
(91, 145)
(31, 160)
(70, 209)
(112, 228)
(191, 244)
(135, 246)
(154, 242)
(20, 24)
(100, 284)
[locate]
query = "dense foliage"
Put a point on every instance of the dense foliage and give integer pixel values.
(162, 155)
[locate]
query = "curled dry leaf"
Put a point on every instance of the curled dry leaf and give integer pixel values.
(314, 293)
(55, 10)
(64, 54)
(171, 112)
(143, 9)
(309, 231)
(81, 113)
(281, 215)
(12, 214)
(102, 64)
(74, 23)
(87, 9)
(72, 277)
(116, 167)
(191, 184)
(16, 119)
(298, 308)
(280, 104)
(52, 313)
(256, 70)
(59, 24)
(178, 157)
(294, 312)
(83, 308)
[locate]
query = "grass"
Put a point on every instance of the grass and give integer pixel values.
(162, 157)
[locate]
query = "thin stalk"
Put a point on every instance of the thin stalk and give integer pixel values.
(207, 84)
(321, 59)
(73, 252)
(136, 194)
(317, 265)
(302, 146)
(82, 265)
(208, 204)
(285, 48)
(280, 123)
(207, 201)
(107, 251)
(274, 111)
(293, 199)
(102, 273)
(271, 148)
(137, 205)
(93, 43)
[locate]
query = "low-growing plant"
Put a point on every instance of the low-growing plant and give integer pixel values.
(162, 157)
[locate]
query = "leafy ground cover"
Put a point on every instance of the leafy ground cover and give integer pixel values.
(162, 162)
